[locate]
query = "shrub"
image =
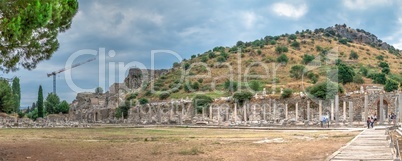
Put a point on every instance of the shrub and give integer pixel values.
(164, 95)
(186, 66)
(196, 86)
(391, 85)
(345, 73)
(307, 58)
(295, 44)
(286, 93)
(292, 37)
(231, 86)
(255, 85)
(221, 59)
(204, 59)
(282, 59)
(353, 55)
(281, 49)
(211, 55)
(176, 64)
(358, 79)
(201, 101)
(143, 101)
(380, 57)
(241, 97)
(193, 56)
(200, 80)
(363, 70)
(343, 41)
(325, 90)
(385, 70)
(297, 71)
(383, 65)
(272, 42)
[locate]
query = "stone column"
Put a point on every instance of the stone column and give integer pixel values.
(264, 112)
(297, 111)
(308, 110)
(365, 106)
(344, 110)
(350, 113)
(159, 114)
(171, 112)
(332, 110)
(274, 113)
(203, 113)
(245, 114)
(400, 107)
(286, 111)
(210, 112)
(219, 115)
(319, 110)
(337, 109)
(235, 113)
(227, 113)
(381, 115)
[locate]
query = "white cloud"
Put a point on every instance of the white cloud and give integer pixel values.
(364, 4)
(288, 10)
(249, 19)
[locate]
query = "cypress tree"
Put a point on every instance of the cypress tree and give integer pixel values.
(39, 103)
(17, 93)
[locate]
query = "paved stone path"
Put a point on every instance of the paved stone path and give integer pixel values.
(371, 144)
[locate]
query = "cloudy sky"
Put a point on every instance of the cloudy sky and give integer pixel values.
(127, 31)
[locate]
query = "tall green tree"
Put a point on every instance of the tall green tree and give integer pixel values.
(6, 97)
(17, 93)
(39, 103)
(63, 107)
(29, 30)
(51, 104)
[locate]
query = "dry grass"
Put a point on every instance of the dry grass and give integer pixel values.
(168, 144)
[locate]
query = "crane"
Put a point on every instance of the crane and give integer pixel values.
(64, 69)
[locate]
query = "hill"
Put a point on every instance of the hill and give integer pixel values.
(352, 57)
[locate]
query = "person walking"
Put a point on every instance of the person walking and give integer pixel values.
(372, 122)
(368, 122)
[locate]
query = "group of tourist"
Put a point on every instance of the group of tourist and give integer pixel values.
(371, 120)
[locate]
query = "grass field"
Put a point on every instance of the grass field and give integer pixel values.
(168, 144)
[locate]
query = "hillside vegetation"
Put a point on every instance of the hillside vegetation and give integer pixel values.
(293, 62)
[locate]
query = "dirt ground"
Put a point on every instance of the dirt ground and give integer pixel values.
(168, 144)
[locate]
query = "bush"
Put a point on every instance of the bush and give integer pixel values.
(353, 55)
(286, 93)
(363, 70)
(383, 65)
(164, 95)
(295, 44)
(176, 64)
(241, 97)
(343, 41)
(230, 86)
(204, 59)
(221, 59)
(293, 37)
(99, 90)
(131, 96)
(307, 58)
(143, 101)
(186, 66)
(385, 70)
(282, 59)
(378, 78)
(201, 101)
(297, 71)
(358, 79)
(281, 49)
(380, 57)
(196, 86)
(391, 85)
(345, 73)
(325, 90)
(255, 85)
(272, 42)
(211, 55)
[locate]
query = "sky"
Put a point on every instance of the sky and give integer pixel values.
(127, 32)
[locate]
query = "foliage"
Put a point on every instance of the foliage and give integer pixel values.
(196, 86)
(363, 70)
(297, 71)
(29, 30)
(131, 96)
(358, 79)
(63, 107)
(281, 49)
(292, 37)
(39, 103)
(272, 42)
(186, 66)
(391, 85)
(6, 97)
(282, 59)
(204, 59)
(231, 86)
(343, 41)
(295, 44)
(307, 58)
(33, 114)
(51, 103)
(325, 90)
(255, 85)
(98, 90)
(353, 55)
(345, 73)
(143, 101)
(176, 64)
(385, 70)
(164, 95)
(122, 109)
(211, 55)
(221, 59)
(378, 78)
(313, 77)
(241, 97)
(287, 93)
(383, 64)
(201, 101)
(380, 57)
(17, 93)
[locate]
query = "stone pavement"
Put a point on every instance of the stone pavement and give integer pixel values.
(371, 144)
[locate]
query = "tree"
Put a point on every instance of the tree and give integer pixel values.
(295, 44)
(196, 86)
(255, 85)
(345, 73)
(186, 66)
(287, 93)
(385, 70)
(383, 64)
(297, 71)
(52, 101)
(231, 86)
(378, 78)
(391, 85)
(353, 55)
(282, 59)
(281, 49)
(292, 37)
(201, 101)
(63, 107)
(98, 90)
(29, 30)
(241, 97)
(17, 93)
(307, 58)
(221, 59)
(325, 90)
(39, 103)
(6, 97)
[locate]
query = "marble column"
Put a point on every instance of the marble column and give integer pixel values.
(219, 115)
(274, 113)
(264, 113)
(227, 113)
(308, 110)
(245, 114)
(344, 110)
(332, 110)
(297, 111)
(319, 110)
(235, 113)
(210, 112)
(399, 107)
(159, 114)
(286, 111)
(350, 113)
(337, 109)
(203, 113)
(365, 106)
(381, 115)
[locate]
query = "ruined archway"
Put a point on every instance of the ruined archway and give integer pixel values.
(385, 108)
